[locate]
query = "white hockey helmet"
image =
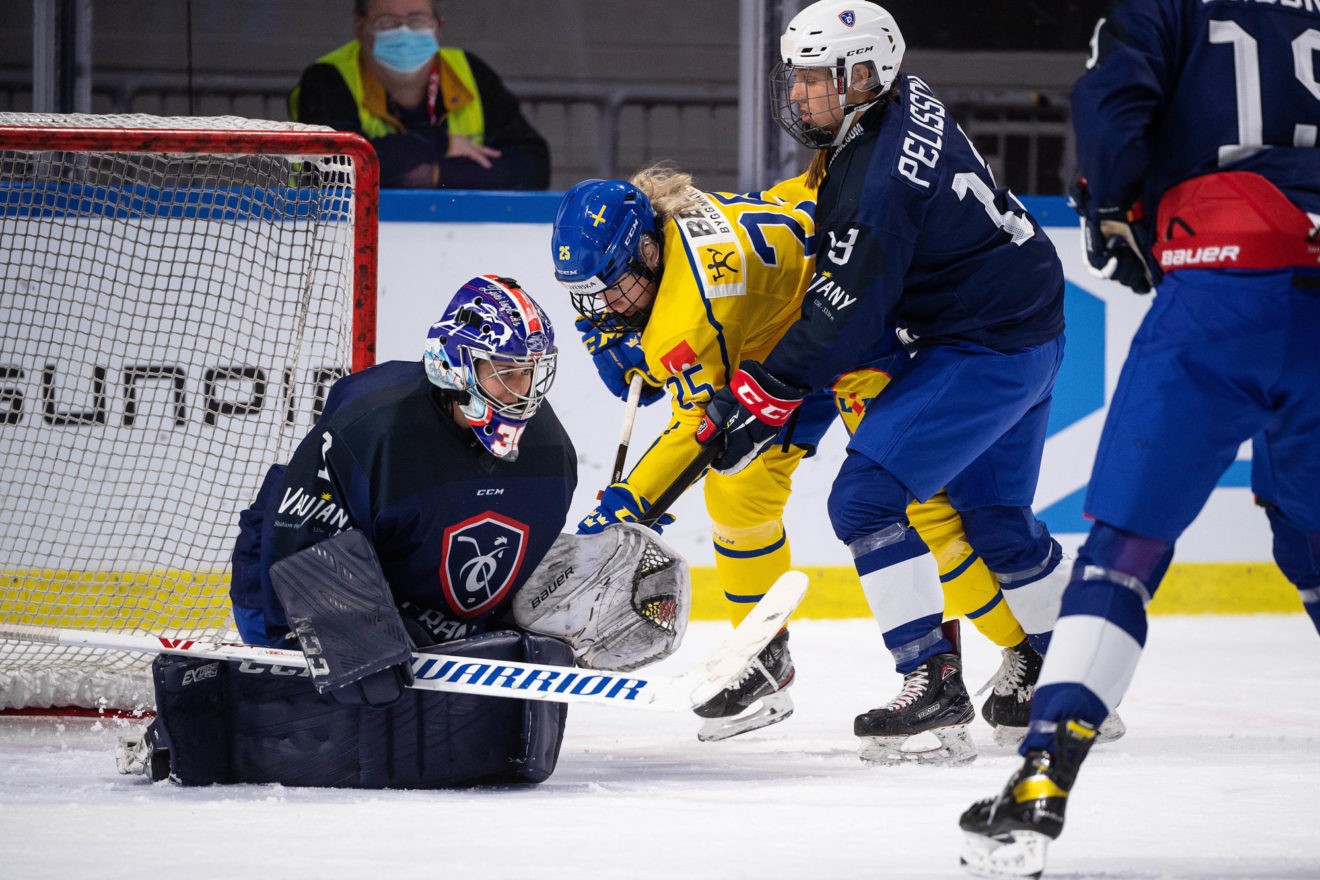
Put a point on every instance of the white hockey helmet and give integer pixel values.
(836, 35)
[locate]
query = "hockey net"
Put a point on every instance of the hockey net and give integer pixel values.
(177, 296)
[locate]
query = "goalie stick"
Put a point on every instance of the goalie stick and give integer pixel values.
(499, 678)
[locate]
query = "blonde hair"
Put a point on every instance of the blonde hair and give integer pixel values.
(816, 170)
(671, 191)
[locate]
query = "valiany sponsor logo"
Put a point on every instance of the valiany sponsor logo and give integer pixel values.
(299, 507)
(824, 289)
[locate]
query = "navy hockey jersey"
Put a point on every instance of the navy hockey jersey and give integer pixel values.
(912, 231)
(1174, 90)
(457, 530)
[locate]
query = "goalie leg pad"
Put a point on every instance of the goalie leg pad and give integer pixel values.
(228, 722)
(340, 607)
(191, 726)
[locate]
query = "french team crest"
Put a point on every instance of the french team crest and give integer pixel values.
(848, 17)
(481, 560)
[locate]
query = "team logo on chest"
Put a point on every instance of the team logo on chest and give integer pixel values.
(481, 559)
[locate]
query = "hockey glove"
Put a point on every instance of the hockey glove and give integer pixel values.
(616, 356)
(618, 504)
(1111, 243)
(745, 415)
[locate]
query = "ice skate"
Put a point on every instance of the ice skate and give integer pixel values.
(933, 702)
(1008, 835)
(135, 755)
(1008, 708)
(757, 699)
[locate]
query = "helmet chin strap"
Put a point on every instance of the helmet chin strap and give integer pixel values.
(850, 112)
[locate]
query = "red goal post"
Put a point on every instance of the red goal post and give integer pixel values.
(177, 296)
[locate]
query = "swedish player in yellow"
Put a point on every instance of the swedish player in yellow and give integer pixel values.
(680, 285)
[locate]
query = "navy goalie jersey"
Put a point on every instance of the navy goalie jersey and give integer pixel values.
(914, 236)
(457, 530)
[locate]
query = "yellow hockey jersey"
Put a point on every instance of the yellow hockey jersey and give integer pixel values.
(733, 275)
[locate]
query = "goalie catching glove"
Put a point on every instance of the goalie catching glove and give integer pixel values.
(745, 415)
(339, 605)
(1112, 242)
(619, 597)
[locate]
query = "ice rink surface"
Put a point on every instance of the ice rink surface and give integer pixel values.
(1218, 777)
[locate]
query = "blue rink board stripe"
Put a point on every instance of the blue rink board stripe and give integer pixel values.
(476, 206)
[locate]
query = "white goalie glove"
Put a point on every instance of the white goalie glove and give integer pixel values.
(620, 598)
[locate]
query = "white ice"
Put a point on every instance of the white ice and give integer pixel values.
(1217, 778)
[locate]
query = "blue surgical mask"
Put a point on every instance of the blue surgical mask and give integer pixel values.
(405, 50)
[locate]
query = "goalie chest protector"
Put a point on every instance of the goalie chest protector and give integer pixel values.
(457, 530)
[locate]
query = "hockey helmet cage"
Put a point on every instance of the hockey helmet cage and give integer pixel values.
(597, 239)
(835, 35)
(490, 319)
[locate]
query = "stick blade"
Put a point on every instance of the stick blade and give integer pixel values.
(740, 648)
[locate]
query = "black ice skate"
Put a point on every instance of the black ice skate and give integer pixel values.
(933, 701)
(1008, 708)
(1007, 836)
(757, 699)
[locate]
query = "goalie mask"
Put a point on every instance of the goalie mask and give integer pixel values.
(833, 37)
(596, 244)
(495, 348)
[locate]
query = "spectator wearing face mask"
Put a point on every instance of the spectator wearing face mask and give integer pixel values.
(438, 116)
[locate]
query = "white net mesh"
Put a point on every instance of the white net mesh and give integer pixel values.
(172, 321)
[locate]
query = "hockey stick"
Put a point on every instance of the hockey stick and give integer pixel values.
(498, 678)
(625, 432)
(680, 485)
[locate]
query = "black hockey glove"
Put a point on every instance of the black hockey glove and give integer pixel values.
(1115, 246)
(745, 415)
(341, 609)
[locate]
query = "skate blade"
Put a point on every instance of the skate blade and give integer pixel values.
(1110, 729)
(1014, 854)
(1009, 736)
(770, 709)
(954, 748)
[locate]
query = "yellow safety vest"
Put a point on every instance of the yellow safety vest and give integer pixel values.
(459, 99)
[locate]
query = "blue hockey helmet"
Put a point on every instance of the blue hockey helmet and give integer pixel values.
(597, 239)
(496, 348)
